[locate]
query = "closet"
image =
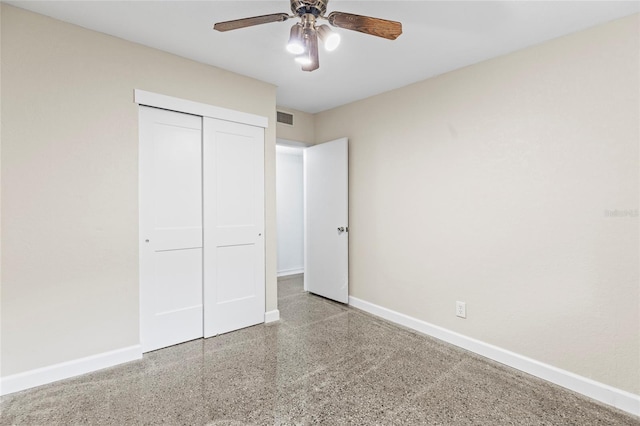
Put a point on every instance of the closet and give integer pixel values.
(202, 247)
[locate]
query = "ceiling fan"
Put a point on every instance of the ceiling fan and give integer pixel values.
(303, 39)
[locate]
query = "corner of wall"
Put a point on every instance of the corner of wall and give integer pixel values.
(302, 129)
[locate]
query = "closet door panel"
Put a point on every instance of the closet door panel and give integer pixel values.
(236, 177)
(171, 308)
(233, 177)
(233, 268)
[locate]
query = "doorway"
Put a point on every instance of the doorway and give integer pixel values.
(290, 208)
(312, 215)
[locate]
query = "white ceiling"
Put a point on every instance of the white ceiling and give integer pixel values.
(439, 36)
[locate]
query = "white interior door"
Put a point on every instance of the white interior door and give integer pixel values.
(326, 210)
(234, 275)
(170, 228)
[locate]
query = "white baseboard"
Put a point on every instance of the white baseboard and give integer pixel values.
(287, 272)
(606, 394)
(65, 370)
(272, 316)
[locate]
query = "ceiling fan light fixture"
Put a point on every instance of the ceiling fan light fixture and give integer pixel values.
(303, 59)
(330, 39)
(296, 40)
(311, 37)
(305, 35)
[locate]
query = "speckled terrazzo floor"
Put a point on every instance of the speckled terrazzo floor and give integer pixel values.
(323, 363)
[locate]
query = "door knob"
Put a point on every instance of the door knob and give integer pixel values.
(341, 229)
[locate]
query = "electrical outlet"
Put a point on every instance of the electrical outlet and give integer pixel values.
(461, 309)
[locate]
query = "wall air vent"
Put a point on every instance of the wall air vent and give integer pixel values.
(285, 118)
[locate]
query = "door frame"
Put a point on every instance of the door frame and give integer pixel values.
(156, 100)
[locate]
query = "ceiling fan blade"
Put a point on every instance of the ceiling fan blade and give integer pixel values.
(249, 22)
(365, 24)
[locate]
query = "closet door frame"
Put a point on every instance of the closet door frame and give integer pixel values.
(156, 100)
(150, 99)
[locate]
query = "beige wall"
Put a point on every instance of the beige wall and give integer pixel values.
(70, 182)
(302, 129)
(490, 185)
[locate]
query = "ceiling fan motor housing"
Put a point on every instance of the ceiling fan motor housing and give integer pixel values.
(314, 7)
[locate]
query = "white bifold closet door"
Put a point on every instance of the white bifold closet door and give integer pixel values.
(201, 227)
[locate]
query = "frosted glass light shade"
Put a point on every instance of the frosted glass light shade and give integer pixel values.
(329, 38)
(303, 59)
(296, 40)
